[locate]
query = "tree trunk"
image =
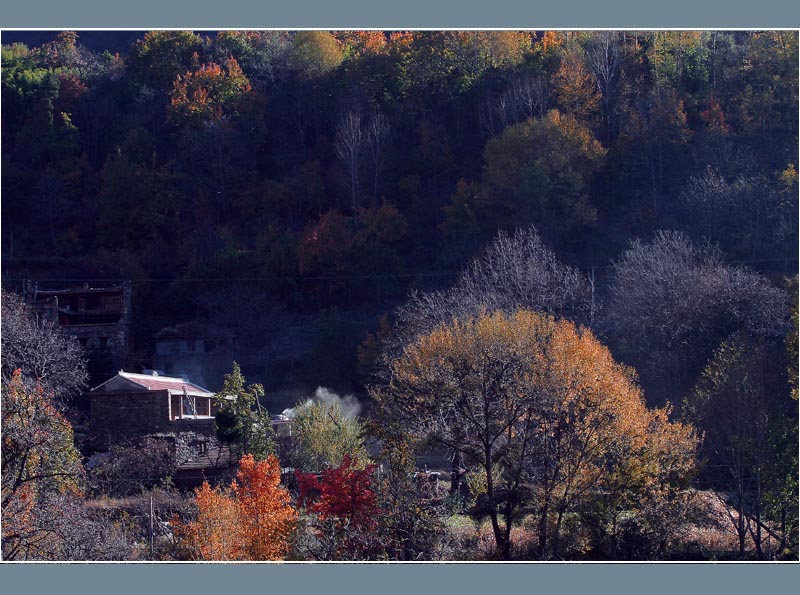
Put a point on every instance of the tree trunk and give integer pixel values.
(557, 531)
(543, 529)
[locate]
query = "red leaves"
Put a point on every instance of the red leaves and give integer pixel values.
(344, 493)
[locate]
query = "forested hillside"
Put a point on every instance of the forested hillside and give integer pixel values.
(261, 180)
(565, 260)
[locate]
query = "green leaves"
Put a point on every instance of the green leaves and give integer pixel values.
(239, 417)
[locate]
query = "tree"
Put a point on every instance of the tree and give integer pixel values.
(240, 418)
(748, 217)
(157, 58)
(527, 96)
(314, 53)
(41, 471)
(378, 132)
(325, 246)
(210, 92)
(323, 436)
(602, 57)
(576, 89)
(253, 520)
(515, 271)
(40, 352)
(672, 303)
(263, 55)
(411, 523)
(264, 508)
(740, 403)
(130, 469)
(537, 398)
(377, 243)
(350, 147)
(540, 172)
(341, 510)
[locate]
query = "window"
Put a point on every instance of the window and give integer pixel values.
(189, 407)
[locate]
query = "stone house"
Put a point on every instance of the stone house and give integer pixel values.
(129, 408)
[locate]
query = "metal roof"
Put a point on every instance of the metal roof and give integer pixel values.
(154, 383)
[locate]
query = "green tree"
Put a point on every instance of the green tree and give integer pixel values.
(160, 56)
(540, 172)
(240, 418)
(322, 436)
(741, 405)
(314, 53)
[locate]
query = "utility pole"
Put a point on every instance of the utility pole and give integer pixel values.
(151, 525)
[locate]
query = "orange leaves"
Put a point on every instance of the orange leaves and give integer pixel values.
(576, 87)
(209, 91)
(266, 513)
(544, 398)
(253, 520)
(40, 463)
(216, 533)
(362, 43)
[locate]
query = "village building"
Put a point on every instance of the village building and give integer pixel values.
(131, 408)
(193, 348)
(98, 317)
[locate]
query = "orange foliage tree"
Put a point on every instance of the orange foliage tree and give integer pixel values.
(40, 471)
(533, 402)
(209, 91)
(252, 520)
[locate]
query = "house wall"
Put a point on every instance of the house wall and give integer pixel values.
(118, 417)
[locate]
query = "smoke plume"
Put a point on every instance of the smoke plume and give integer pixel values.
(348, 404)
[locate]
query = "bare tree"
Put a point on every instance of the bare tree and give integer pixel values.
(40, 351)
(526, 97)
(602, 57)
(672, 302)
(747, 214)
(377, 138)
(349, 146)
(516, 271)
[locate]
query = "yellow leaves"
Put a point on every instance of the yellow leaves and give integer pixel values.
(543, 380)
(577, 133)
(551, 40)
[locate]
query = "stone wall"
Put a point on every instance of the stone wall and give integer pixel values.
(123, 417)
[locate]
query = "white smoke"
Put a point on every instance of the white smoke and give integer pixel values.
(348, 404)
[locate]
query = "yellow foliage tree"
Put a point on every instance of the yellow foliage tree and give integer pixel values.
(542, 400)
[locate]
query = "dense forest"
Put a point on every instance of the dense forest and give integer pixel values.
(368, 210)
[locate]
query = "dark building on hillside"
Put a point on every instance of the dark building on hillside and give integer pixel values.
(99, 317)
(194, 348)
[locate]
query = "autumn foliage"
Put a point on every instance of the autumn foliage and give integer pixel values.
(252, 520)
(341, 509)
(40, 469)
(533, 401)
(209, 91)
